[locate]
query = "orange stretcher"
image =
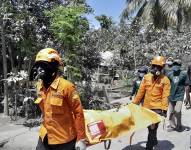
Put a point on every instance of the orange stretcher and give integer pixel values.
(103, 126)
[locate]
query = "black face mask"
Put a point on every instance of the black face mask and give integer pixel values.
(46, 72)
(170, 66)
(156, 70)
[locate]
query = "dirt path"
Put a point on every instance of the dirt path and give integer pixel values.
(27, 140)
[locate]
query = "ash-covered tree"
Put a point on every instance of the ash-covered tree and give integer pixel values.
(160, 13)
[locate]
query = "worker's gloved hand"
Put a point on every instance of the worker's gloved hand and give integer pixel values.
(80, 145)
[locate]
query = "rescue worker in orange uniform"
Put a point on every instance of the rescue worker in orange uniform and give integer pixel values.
(63, 126)
(155, 89)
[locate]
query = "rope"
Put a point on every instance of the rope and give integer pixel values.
(164, 123)
(131, 139)
(107, 145)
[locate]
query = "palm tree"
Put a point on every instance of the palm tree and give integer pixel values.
(105, 21)
(161, 13)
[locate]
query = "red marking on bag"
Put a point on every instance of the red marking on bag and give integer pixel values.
(97, 128)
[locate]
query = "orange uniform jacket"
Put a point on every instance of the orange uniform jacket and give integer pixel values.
(155, 93)
(63, 118)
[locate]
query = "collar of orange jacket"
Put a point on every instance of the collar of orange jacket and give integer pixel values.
(54, 84)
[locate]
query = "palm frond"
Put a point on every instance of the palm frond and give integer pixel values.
(185, 3)
(170, 10)
(187, 15)
(132, 7)
(140, 13)
(146, 16)
(161, 13)
(158, 17)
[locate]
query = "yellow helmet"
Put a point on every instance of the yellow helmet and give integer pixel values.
(48, 55)
(158, 60)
